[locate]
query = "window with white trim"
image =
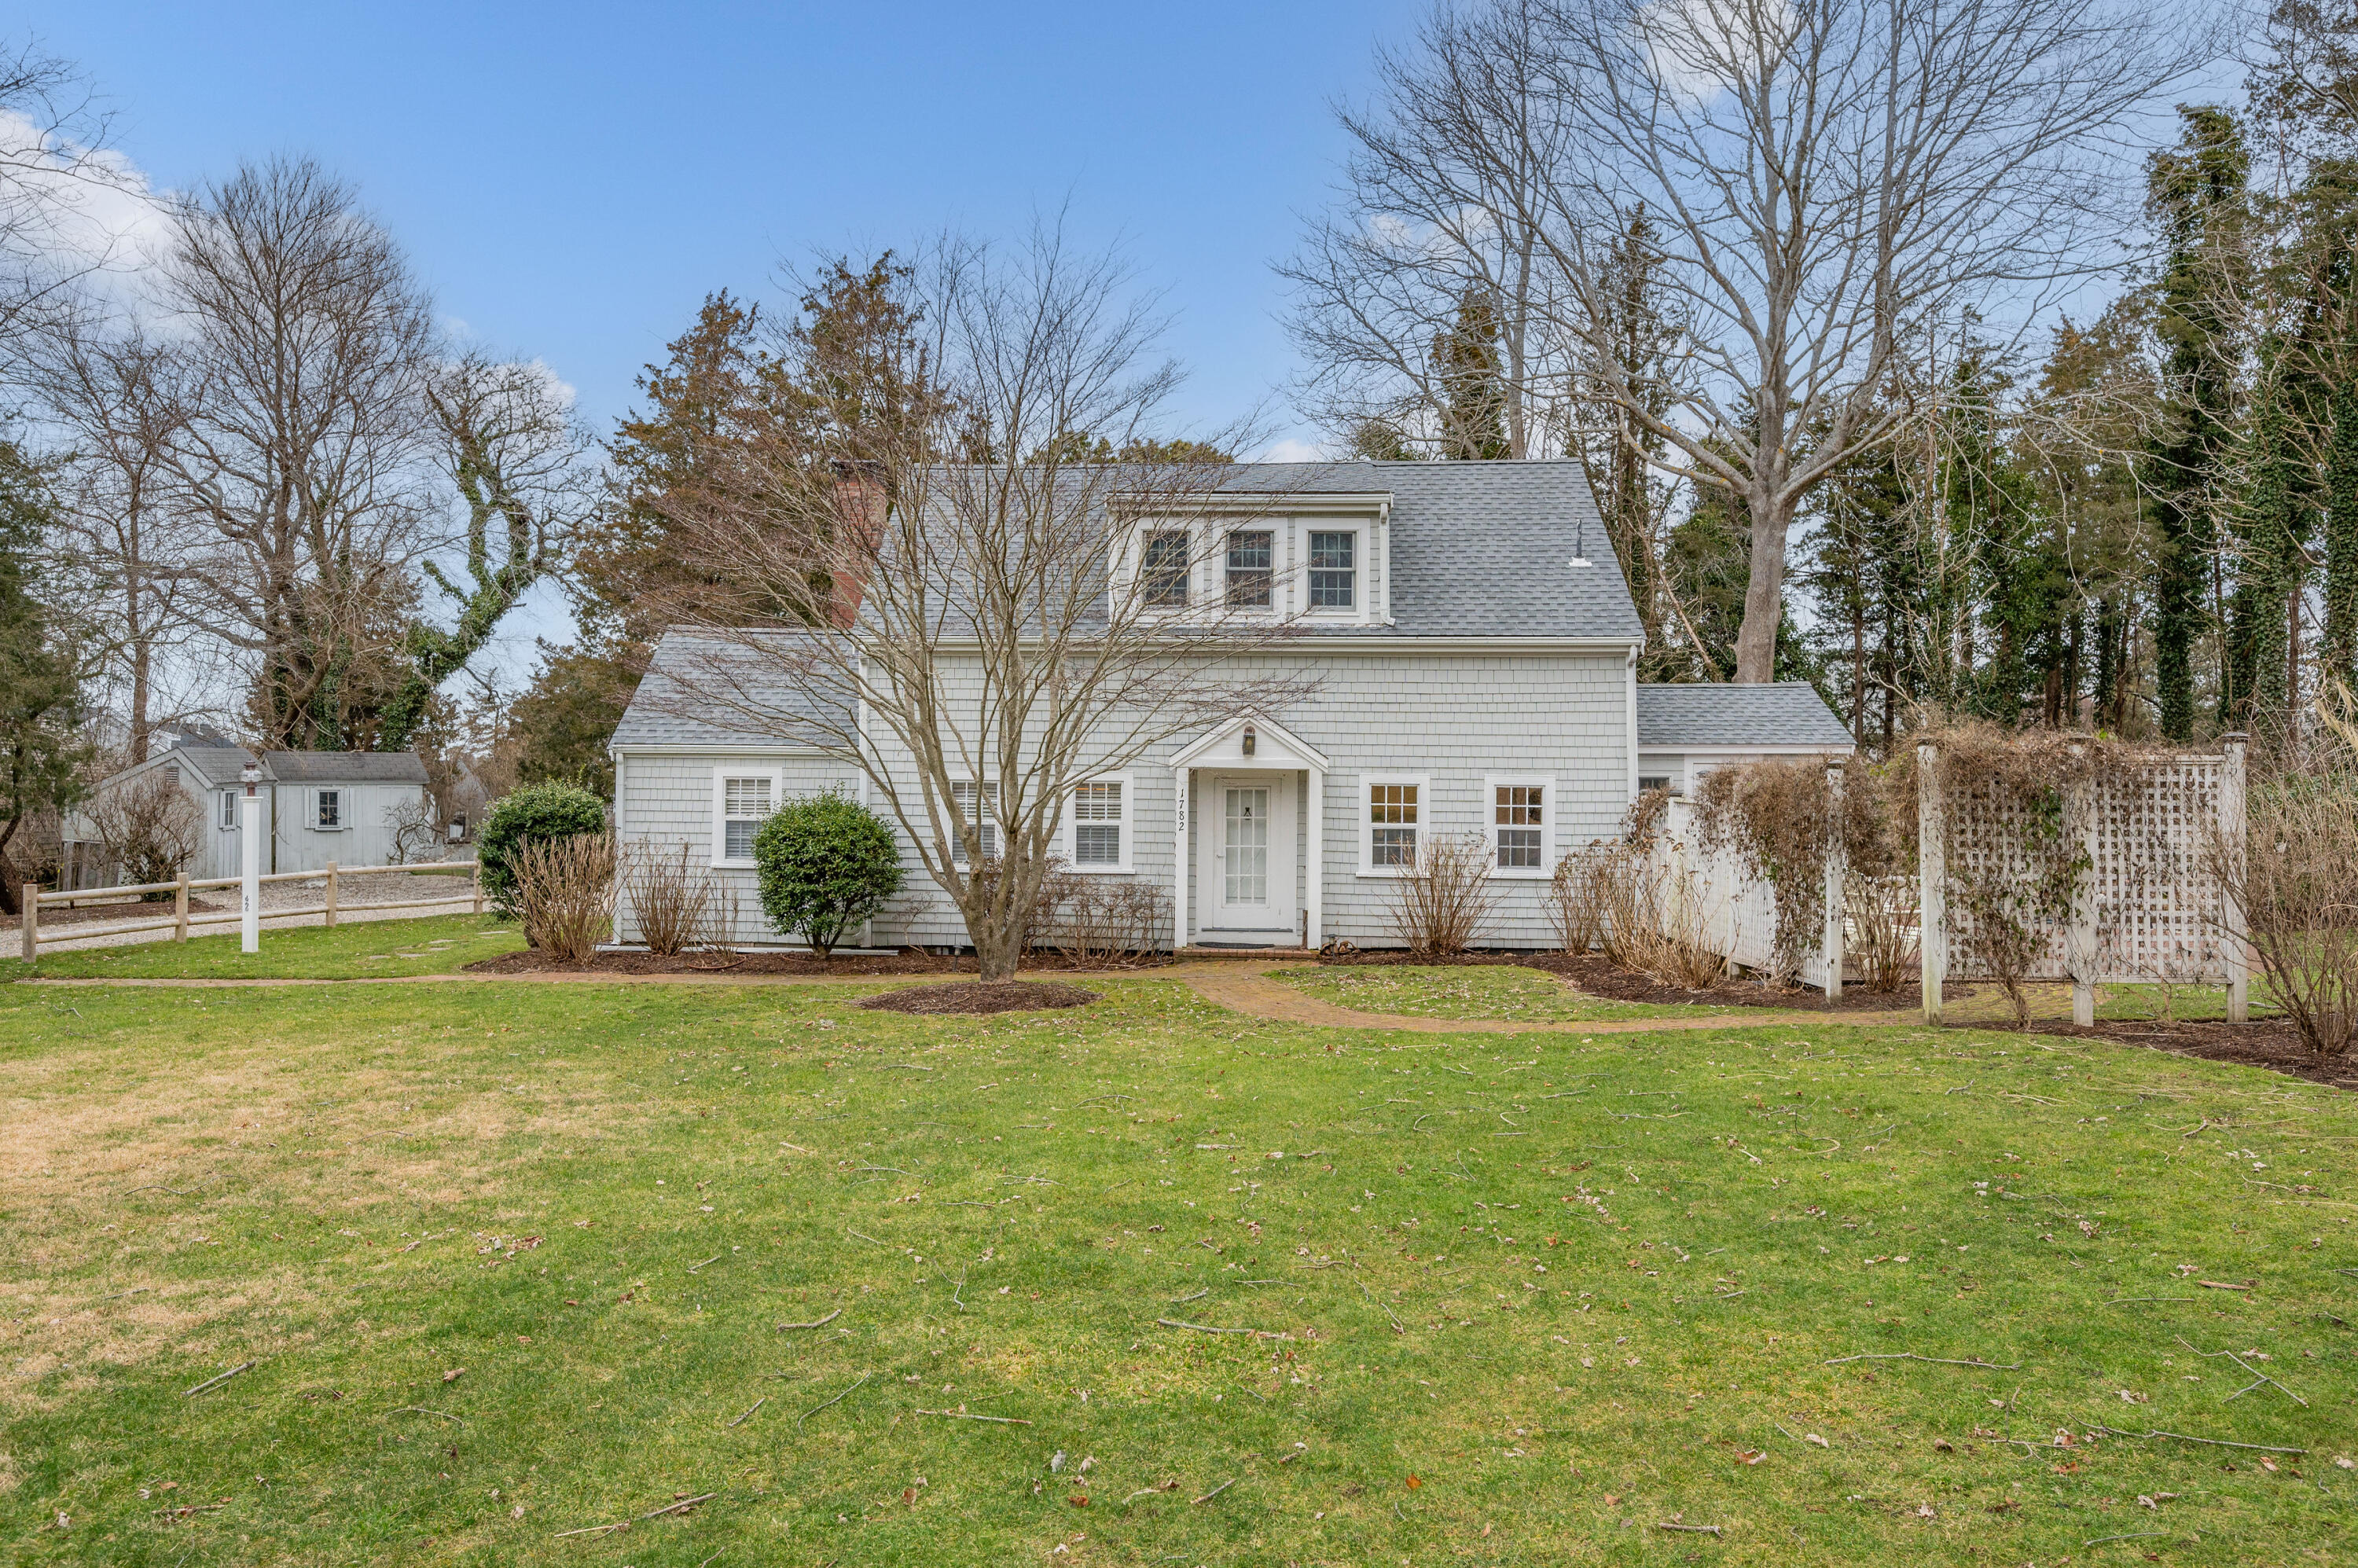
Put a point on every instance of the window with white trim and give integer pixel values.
(1521, 822)
(229, 810)
(1099, 820)
(1252, 560)
(975, 803)
(1393, 812)
(331, 816)
(741, 802)
(1162, 568)
(1334, 569)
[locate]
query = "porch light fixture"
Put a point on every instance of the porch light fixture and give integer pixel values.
(1250, 738)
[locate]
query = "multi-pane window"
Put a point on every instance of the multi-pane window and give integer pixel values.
(1334, 570)
(976, 803)
(745, 803)
(1097, 824)
(331, 809)
(1162, 569)
(1519, 824)
(229, 810)
(1251, 554)
(1392, 825)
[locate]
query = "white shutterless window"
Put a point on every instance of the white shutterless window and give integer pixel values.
(1096, 825)
(1520, 821)
(229, 810)
(975, 802)
(742, 799)
(1395, 809)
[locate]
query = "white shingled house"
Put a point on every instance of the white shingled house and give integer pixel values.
(319, 805)
(1475, 649)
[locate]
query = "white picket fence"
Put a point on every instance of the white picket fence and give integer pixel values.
(1710, 891)
(31, 934)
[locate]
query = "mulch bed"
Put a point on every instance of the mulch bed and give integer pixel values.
(981, 996)
(1601, 977)
(533, 960)
(2273, 1044)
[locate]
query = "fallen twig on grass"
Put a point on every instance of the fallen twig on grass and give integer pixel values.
(1936, 1360)
(969, 1415)
(748, 1415)
(1397, 1326)
(1215, 1491)
(421, 1410)
(173, 1191)
(2254, 1371)
(1206, 1328)
(223, 1378)
(716, 1258)
(681, 1506)
(2118, 1301)
(595, 1529)
(2217, 1285)
(1695, 1529)
(837, 1400)
(816, 1323)
(2181, 1437)
(2133, 1535)
(1200, 1295)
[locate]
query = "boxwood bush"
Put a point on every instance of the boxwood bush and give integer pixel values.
(534, 812)
(827, 864)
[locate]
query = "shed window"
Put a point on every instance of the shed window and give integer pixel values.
(332, 810)
(229, 810)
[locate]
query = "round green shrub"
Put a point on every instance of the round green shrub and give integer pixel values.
(541, 811)
(826, 864)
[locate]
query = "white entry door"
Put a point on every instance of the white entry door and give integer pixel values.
(1247, 869)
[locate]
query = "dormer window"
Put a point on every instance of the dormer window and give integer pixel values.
(1252, 567)
(1162, 569)
(1334, 570)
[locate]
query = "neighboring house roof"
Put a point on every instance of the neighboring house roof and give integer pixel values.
(702, 689)
(214, 764)
(344, 767)
(1783, 713)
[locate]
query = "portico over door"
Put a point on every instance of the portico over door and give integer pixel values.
(1254, 858)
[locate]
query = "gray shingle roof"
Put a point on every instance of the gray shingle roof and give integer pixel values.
(706, 690)
(1785, 713)
(344, 767)
(218, 764)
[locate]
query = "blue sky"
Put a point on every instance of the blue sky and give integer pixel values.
(571, 180)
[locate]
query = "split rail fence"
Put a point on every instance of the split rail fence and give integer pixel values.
(32, 935)
(2148, 903)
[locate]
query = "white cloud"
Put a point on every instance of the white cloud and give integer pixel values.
(77, 212)
(1693, 47)
(1291, 450)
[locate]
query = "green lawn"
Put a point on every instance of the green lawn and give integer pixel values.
(514, 1261)
(1476, 991)
(370, 947)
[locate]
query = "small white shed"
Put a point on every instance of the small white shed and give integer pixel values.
(320, 806)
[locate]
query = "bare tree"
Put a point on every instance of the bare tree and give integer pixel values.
(105, 386)
(149, 827)
(53, 167)
(1829, 182)
(302, 348)
(949, 603)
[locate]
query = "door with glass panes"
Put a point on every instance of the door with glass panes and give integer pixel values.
(1246, 867)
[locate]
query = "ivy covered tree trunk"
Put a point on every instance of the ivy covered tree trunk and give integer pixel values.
(2338, 655)
(2269, 528)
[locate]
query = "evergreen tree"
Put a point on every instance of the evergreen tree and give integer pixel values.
(2271, 522)
(2339, 654)
(1473, 381)
(2196, 194)
(43, 755)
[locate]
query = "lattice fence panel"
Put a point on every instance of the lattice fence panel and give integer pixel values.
(2156, 905)
(1736, 911)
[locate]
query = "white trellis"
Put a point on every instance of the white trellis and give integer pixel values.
(2147, 905)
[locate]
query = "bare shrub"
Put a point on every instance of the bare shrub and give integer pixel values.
(149, 827)
(2296, 880)
(1779, 818)
(1436, 911)
(675, 902)
(1099, 920)
(1882, 911)
(565, 893)
(1577, 898)
(1656, 923)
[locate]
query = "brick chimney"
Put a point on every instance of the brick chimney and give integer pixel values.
(860, 504)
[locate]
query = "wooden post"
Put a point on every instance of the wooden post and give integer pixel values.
(477, 875)
(1836, 864)
(2080, 943)
(1931, 877)
(181, 908)
(331, 893)
(31, 923)
(2234, 938)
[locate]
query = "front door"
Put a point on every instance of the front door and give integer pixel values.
(1247, 871)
